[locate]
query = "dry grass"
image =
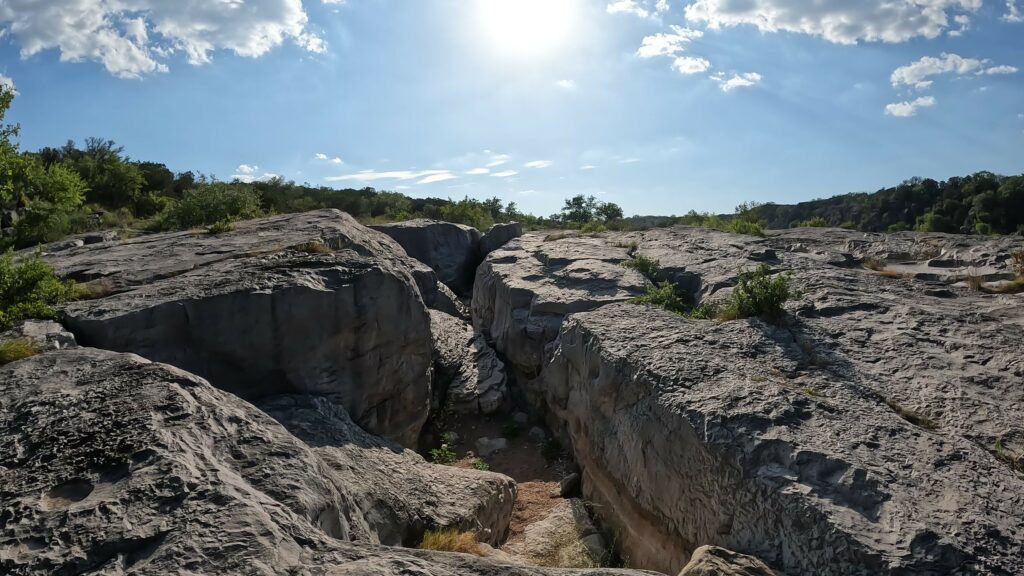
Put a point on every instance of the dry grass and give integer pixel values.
(314, 247)
(14, 350)
(1017, 259)
(1014, 461)
(451, 540)
(94, 290)
(565, 549)
(629, 246)
(881, 267)
(915, 418)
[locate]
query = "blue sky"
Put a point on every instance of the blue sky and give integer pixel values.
(660, 106)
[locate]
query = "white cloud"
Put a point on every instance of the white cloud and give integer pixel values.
(665, 44)
(1001, 70)
(505, 174)
(736, 81)
(690, 65)
(7, 83)
(588, 167)
(907, 109)
(530, 192)
(437, 178)
(628, 7)
(1013, 12)
(324, 157)
(320, 156)
(498, 160)
(839, 21)
(131, 37)
(539, 164)
(918, 74)
(478, 171)
(373, 175)
(566, 84)
(246, 169)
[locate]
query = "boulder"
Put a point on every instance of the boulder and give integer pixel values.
(46, 334)
(872, 431)
(302, 303)
(715, 561)
(566, 537)
(451, 250)
(116, 465)
(467, 371)
(497, 236)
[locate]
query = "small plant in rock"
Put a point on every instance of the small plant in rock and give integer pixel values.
(28, 289)
(593, 228)
(314, 247)
(451, 540)
(445, 453)
(14, 350)
(94, 290)
(816, 222)
(663, 295)
(220, 227)
(915, 418)
(705, 311)
(746, 227)
(649, 268)
(630, 246)
(481, 464)
(1014, 461)
(1017, 262)
(758, 293)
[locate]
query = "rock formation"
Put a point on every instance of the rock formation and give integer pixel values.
(468, 373)
(497, 236)
(865, 434)
(451, 250)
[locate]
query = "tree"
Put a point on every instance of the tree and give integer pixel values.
(608, 211)
(579, 209)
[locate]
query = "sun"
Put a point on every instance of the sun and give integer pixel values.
(527, 28)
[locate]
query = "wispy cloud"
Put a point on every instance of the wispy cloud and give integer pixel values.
(1013, 13)
(588, 167)
(400, 175)
(478, 171)
(498, 160)
(667, 44)
(324, 157)
(539, 164)
(569, 85)
(908, 109)
(437, 178)
(505, 174)
(744, 80)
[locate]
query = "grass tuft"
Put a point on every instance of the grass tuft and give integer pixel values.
(314, 247)
(14, 350)
(451, 540)
(220, 227)
(915, 418)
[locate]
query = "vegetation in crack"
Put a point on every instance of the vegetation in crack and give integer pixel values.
(451, 540)
(17, 349)
(29, 288)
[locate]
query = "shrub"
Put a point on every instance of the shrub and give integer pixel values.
(443, 454)
(1017, 259)
(663, 295)
(706, 311)
(451, 540)
(209, 205)
(14, 350)
(469, 212)
(220, 227)
(480, 464)
(314, 247)
(746, 227)
(758, 293)
(28, 289)
(650, 268)
(593, 228)
(816, 222)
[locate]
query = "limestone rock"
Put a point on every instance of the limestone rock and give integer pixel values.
(114, 465)
(857, 437)
(467, 370)
(497, 236)
(48, 335)
(309, 303)
(715, 561)
(451, 250)
(488, 446)
(565, 537)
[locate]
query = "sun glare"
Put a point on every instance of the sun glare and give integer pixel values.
(527, 28)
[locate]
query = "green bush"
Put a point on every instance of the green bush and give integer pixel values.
(663, 295)
(746, 227)
(469, 212)
(209, 205)
(220, 227)
(593, 228)
(28, 289)
(758, 293)
(480, 464)
(14, 350)
(816, 222)
(443, 454)
(650, 268)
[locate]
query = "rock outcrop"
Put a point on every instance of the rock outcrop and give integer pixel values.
(715, 561)
(451, 250)
(115, 465)
(868, 433)
(565, 537)
(304, 303)
(498, 235)
(467, 371)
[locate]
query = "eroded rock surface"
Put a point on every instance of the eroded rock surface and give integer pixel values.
(498, 235)
(467, 370)
(715, 561)
(866, 434)
(114, 465)
(304, 303)
(451, 250)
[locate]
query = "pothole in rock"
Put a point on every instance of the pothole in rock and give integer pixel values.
(62, 496)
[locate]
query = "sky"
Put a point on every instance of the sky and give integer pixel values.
(661, 106)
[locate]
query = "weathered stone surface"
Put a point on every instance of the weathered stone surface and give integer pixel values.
(398, 493)
(488, 446)
(565, 537)
(792, 443)
(498, 235)
(310, 303)
(467, 371)
(47, 335)
(114, 465)
(715, 561)
(451, 250)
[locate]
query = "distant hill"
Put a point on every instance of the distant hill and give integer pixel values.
(980, 203)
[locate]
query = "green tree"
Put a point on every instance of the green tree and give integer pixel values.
(579, 209)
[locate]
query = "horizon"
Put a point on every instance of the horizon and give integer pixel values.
(660, 107)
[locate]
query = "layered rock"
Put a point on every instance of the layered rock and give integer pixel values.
(115, 465)
(565, 537)
(715, 561)
(498, 235)
(304, 303)
(451, 250)
(872, 432)
(467, 371)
